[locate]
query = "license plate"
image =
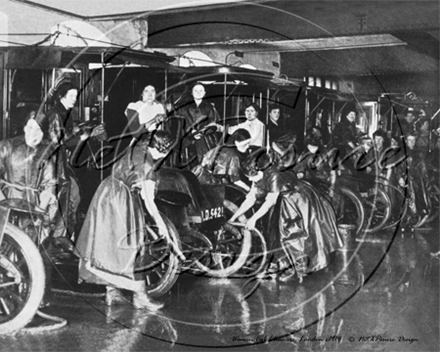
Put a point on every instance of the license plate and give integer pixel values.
(213, 213)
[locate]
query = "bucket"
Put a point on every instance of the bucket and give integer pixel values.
(348, 234)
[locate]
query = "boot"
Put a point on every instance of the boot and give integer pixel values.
(142, 301)
(48, 269)
(114, 296)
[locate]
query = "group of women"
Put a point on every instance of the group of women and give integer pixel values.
(111, 244)
(301, 227)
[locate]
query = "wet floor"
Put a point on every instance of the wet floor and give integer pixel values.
(384, 296)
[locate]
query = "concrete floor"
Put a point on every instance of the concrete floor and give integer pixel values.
(387, 299)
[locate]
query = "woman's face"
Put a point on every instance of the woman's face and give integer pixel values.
(69, 100)
(409, 117)
(378, 141)
(351, 116)
(33, 134)
(156, 154)
(198, 92)
(250, 113)
(256, 177)
(366, 144)
(425, 126)
(243, 146)
(411, 142)
(312, 148)
(149, 94)
(275, 114)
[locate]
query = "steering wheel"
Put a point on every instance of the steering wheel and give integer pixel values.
(205, 131)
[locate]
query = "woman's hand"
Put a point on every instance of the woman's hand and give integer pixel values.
(402, 182)
(98, 130)
(300, 175)
(162, 229)
(160, 118)
(251, 224)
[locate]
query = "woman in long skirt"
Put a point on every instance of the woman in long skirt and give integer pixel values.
(111, 241)
(306, 223)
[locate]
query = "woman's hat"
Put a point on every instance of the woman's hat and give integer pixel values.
(380, 133)
(259, 160)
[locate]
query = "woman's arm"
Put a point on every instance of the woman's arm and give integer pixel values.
(269, 202)
(248, 203)
(243, 185)
(147, 193)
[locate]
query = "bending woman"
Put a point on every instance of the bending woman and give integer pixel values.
(306, 225)
(224, 164)
(111, 242)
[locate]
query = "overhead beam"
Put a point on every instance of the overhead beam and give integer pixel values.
(331, 43)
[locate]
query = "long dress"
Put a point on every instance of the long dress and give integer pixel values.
(198, 116)
(111, 240)
(25, 171)
(344, 133)
(61, 125)
(415, 172)
(140, 114)
(306, 223)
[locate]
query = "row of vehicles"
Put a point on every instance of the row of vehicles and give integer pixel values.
(201, 240)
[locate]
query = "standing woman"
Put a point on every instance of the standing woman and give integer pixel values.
(252, 124)
(198, 114)
(63, 134)
(111, 241)
(145, 114)
(344, 134)
(306, 225)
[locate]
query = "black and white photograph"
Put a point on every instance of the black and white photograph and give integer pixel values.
(219, 175)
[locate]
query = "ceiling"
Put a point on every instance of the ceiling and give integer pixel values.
(320, 37)
(338, 38)
(117, 9)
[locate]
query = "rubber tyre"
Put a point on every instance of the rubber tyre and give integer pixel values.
(382, 197)
(33, 263)
(257, 259)
(358, 207)
(245, 248)
(169, 268)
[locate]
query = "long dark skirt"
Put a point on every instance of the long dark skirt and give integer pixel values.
(308, 230)
(112, 239)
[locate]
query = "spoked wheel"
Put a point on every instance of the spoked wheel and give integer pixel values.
(257, 258)
(197, 249)
(231, 247)
(164, 270)
(22, 280)
(377, 207)
(348, 208)
(399, 207)
(434, 200)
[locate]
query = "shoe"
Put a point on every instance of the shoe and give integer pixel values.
(287, 275)
(65, 244)
(142, 301)
(113, 296)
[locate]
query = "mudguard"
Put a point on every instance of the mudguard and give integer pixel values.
(174, 183)
(4, 217)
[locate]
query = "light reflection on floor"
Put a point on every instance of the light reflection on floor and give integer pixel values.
(388, 289)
